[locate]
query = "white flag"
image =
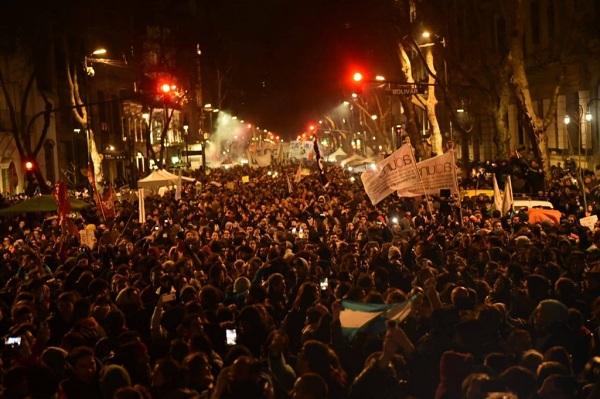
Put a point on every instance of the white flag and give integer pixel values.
(178, 189)
(437, 173)
(298, 176)
(497, 197)
(393, 173)
(289, 183)
(508, 197)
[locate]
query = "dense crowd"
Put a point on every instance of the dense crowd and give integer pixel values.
(235, 291)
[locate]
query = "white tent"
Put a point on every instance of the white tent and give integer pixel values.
(161, 178)
(350, 159)
(333, 157)
(370, 160)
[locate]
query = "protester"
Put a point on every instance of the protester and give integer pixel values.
(241, 288)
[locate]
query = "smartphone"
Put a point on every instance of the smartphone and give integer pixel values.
(12, 341)
(230, 336)
(168, 297)
(323, 283)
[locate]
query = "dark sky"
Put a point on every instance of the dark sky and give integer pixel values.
(293, 59)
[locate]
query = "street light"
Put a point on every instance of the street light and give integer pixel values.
(186, 126)
(567, 121)
(442, 40)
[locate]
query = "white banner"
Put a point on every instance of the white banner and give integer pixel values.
(395, 172)
(301, 149)
(437, 173)
(263, 160)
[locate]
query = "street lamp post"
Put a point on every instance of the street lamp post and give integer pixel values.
(589, 117)
(146, 118)
(186, 126)
(442, 41)
(567, 120)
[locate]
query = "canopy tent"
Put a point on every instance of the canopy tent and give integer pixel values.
(333, 157)
(160, 178)
(350, 159)
(370, 160)
(41, 204)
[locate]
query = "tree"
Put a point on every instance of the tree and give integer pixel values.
(21, 79)
(20, 128)
(536, 125)
(80, 111)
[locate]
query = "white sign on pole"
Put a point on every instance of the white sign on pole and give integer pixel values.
(393, 173)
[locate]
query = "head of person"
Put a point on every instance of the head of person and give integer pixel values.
(317, 357)
(309, 386)
(82, 363)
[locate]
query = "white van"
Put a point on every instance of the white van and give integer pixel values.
(529, 203)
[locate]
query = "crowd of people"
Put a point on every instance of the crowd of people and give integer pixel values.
(236, 290)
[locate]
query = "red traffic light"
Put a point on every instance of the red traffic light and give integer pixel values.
(165, 88)
(29, 166)
(357, 77)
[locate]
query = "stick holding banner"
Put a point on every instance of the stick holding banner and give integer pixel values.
(141, 205)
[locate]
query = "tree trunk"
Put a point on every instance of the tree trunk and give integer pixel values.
(536, 126)
(436, 136)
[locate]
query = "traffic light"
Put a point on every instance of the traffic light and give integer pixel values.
(29, 166)
(399, 130)
(357, 82)
(165, 88)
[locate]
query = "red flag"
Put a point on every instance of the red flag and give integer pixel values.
(95, 193)
(62, 199)
(108, 203)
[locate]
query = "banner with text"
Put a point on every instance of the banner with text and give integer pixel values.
(301, 149)
(437, 173)
(395, 172)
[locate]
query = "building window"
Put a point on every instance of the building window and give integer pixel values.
(501, 35)
(551, 21)
(49, 159)
(535, 22)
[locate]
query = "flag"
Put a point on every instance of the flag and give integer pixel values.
(298, 176)
(62, 204)
(320, 166)
(280, 154)
(395, 172)
(178, 189)
(108, 203)
(370, 317)
(95, 193)
(289, 183)
(497, 197)
(507, 203)
(141, 205)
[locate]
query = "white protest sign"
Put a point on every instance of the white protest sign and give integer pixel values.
(393, 173)
(589, 221)
(437, 173)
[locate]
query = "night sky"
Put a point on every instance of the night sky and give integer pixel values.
(294, 59)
